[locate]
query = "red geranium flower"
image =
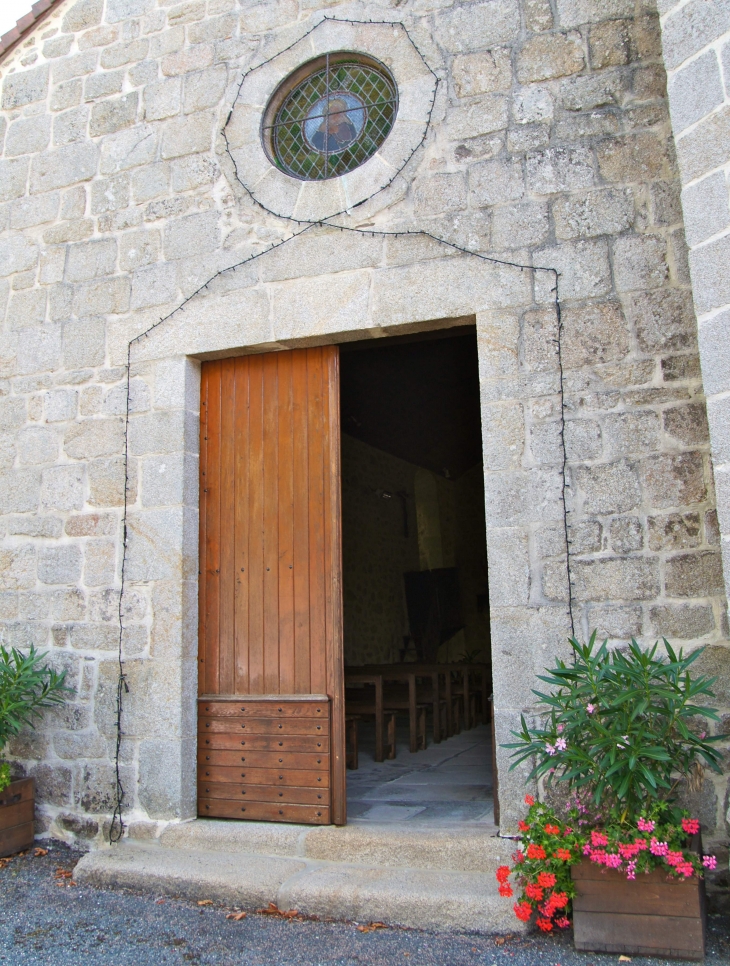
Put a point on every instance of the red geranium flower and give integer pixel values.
(691, 826)
(502, 873)
(544, 924)
(552, 829)
(506, 890)
(562, 854)
(523, 910)
(546, 879)
(536, 851)
(523, 826)
(534, 892)
(529, 800)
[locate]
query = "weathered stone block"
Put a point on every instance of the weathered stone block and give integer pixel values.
(37, 444)
(627, 534)
(616, 578)
(520, 225)
(483, 115)
(710, 280)
(128, 149)
(481, 25)
(705, 207)
(609, 487)
(154, 286)
(559, 169)
(39, 349)
(634, 157)
(683, 621)
(532, 105)
(706, 146)
(584, 271)
(106, 482)
(25, 87)
(664, 320)
(99, 562)
(188, 135)
(583, 439)
(112, 115)
(192, 235)
(691, 28)
(120, 10)
(482, 73)
(17, 254)
(204, 89)
(65, 95)
(639, 262)
(673, 480)
(103, 296)
(83, 14)
(687, 423)
(91, 260)
(631, 432)
(84, 343)
(63, 487)
(606, 212)
(38, 210)
(437, 194)
(63, 166)
(127, 52)
(594, 333)
(17, 564)
(491, 182)
(27, 308)
(573, 13)
(151, 182)
(620, 622)
(694, 575)
(189, 59)
(695, 91)
(548, 56)
(13, 179)
(60, 564)
(28, 136)
(193, 171)
(94, 437)
(162, 99)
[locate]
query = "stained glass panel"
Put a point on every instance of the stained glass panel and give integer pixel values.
(333, 120)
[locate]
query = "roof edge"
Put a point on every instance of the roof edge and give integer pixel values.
(25, 25)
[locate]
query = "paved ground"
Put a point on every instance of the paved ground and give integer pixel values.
(46, 920)
(446, 783)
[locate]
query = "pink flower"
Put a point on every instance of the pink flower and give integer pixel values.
(561, 744)
(550, 749)
(686, 869)
(560, 728)
(645, 825)
(613, 860)
(631, 870)
(691, 826)
(590, 708)
(675, 858)
(703, 735)
(598, 838)
(709, 861)
(658, 848)
(641, 844)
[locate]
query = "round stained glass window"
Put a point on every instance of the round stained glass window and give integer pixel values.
(330, 116)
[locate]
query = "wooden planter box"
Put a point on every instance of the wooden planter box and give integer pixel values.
(651, 915)
(17, 805)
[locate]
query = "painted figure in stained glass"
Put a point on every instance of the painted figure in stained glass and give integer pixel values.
(333, 126)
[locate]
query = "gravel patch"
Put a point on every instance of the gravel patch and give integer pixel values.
(45, 918)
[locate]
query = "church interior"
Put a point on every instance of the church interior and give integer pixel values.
(415, 582)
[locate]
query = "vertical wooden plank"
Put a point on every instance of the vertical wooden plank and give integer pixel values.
(203, 499)
(286, 526)
(212, 535)
(317, 582)
(227, 532)
(256, 528)
(300, 451)
(333, 572)
(271, 523)
(241, 523)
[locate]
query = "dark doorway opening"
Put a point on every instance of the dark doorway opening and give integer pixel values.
(415, 582)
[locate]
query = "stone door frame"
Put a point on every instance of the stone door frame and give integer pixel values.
(256, 311)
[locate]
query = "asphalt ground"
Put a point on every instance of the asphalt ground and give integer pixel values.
(47, 919)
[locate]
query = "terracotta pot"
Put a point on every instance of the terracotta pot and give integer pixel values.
(17, 805)
(652, 915)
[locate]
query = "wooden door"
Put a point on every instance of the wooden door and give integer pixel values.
(271, 738)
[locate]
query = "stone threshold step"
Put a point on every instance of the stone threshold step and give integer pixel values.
(416, 898)
(472, 848)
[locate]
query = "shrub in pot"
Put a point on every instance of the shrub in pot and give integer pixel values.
(27, 686)
(622, 729)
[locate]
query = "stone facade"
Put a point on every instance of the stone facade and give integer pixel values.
(696, 42)
(549, 145)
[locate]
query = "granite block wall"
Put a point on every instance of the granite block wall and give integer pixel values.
(550, 145)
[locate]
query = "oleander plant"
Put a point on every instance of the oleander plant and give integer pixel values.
(623, 729)
(28, 685)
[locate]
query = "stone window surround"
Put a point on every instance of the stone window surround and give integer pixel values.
(163, 543)
(291, 198)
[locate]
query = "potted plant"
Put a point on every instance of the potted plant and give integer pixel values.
(623, 729)
(27, 685)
